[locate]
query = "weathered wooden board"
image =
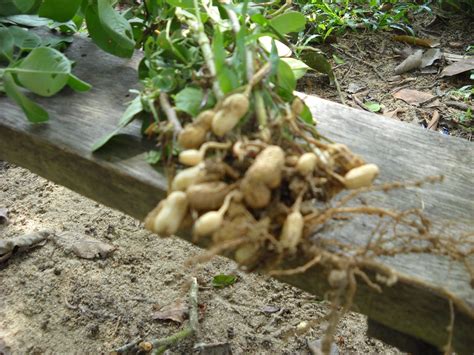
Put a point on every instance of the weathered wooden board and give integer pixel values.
(119, 177)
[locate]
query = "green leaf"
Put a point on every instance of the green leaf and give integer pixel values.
(25, 5)
(286, 80)
(59, 10)
(290, 21)
(223, 280)
(153, 157)
(101, 142)
(45, 71)
(33, 112)
(373, 106)
(318, 62)
(189, 100)
(307, 116)
(134, 108)
(6, 43)
(299, 68)
(77, 84)
(24, 39)
(109, 30)
(185, 4)
(28, 20)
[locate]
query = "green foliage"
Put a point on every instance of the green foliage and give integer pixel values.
(328, 18)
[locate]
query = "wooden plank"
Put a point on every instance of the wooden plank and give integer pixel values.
(119, 177)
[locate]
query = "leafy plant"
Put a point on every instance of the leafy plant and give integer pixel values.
(329, 18)
(33, 62)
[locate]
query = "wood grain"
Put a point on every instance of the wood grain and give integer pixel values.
(119, 177)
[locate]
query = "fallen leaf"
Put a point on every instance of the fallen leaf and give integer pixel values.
(412, 62)
(83, 246)
(21, 243)
(373, 106)
(433, 124)
(422, 42)
(176, 311)
(393, 113)
(3, 215)
(413, 97)
(430, 56)
(222, 280)
(458, 67)
(270, 309)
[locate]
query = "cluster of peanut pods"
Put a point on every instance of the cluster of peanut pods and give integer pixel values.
(255, 188)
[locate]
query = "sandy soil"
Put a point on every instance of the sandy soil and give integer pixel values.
(51, 301)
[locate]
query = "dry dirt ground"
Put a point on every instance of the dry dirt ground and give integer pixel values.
(51, 301)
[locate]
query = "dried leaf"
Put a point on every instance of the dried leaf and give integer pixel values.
(453, 57)
(21, 243)
(83, 246)
(412, 62)
(393, 113)
(422, 42)
(458, 67)
(413, 97)
(176, 311)
(433, 125)
(3, 215)
(430, 56)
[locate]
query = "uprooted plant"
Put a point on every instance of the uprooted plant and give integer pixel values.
(248, 171)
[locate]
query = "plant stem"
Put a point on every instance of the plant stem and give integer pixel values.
(207, 52)
(260, 109)
(170, 112)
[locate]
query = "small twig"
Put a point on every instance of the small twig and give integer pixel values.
(170, 112)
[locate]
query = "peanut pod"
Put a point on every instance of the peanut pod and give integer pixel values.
(233, 109)
(171, 214)
(361, 176)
